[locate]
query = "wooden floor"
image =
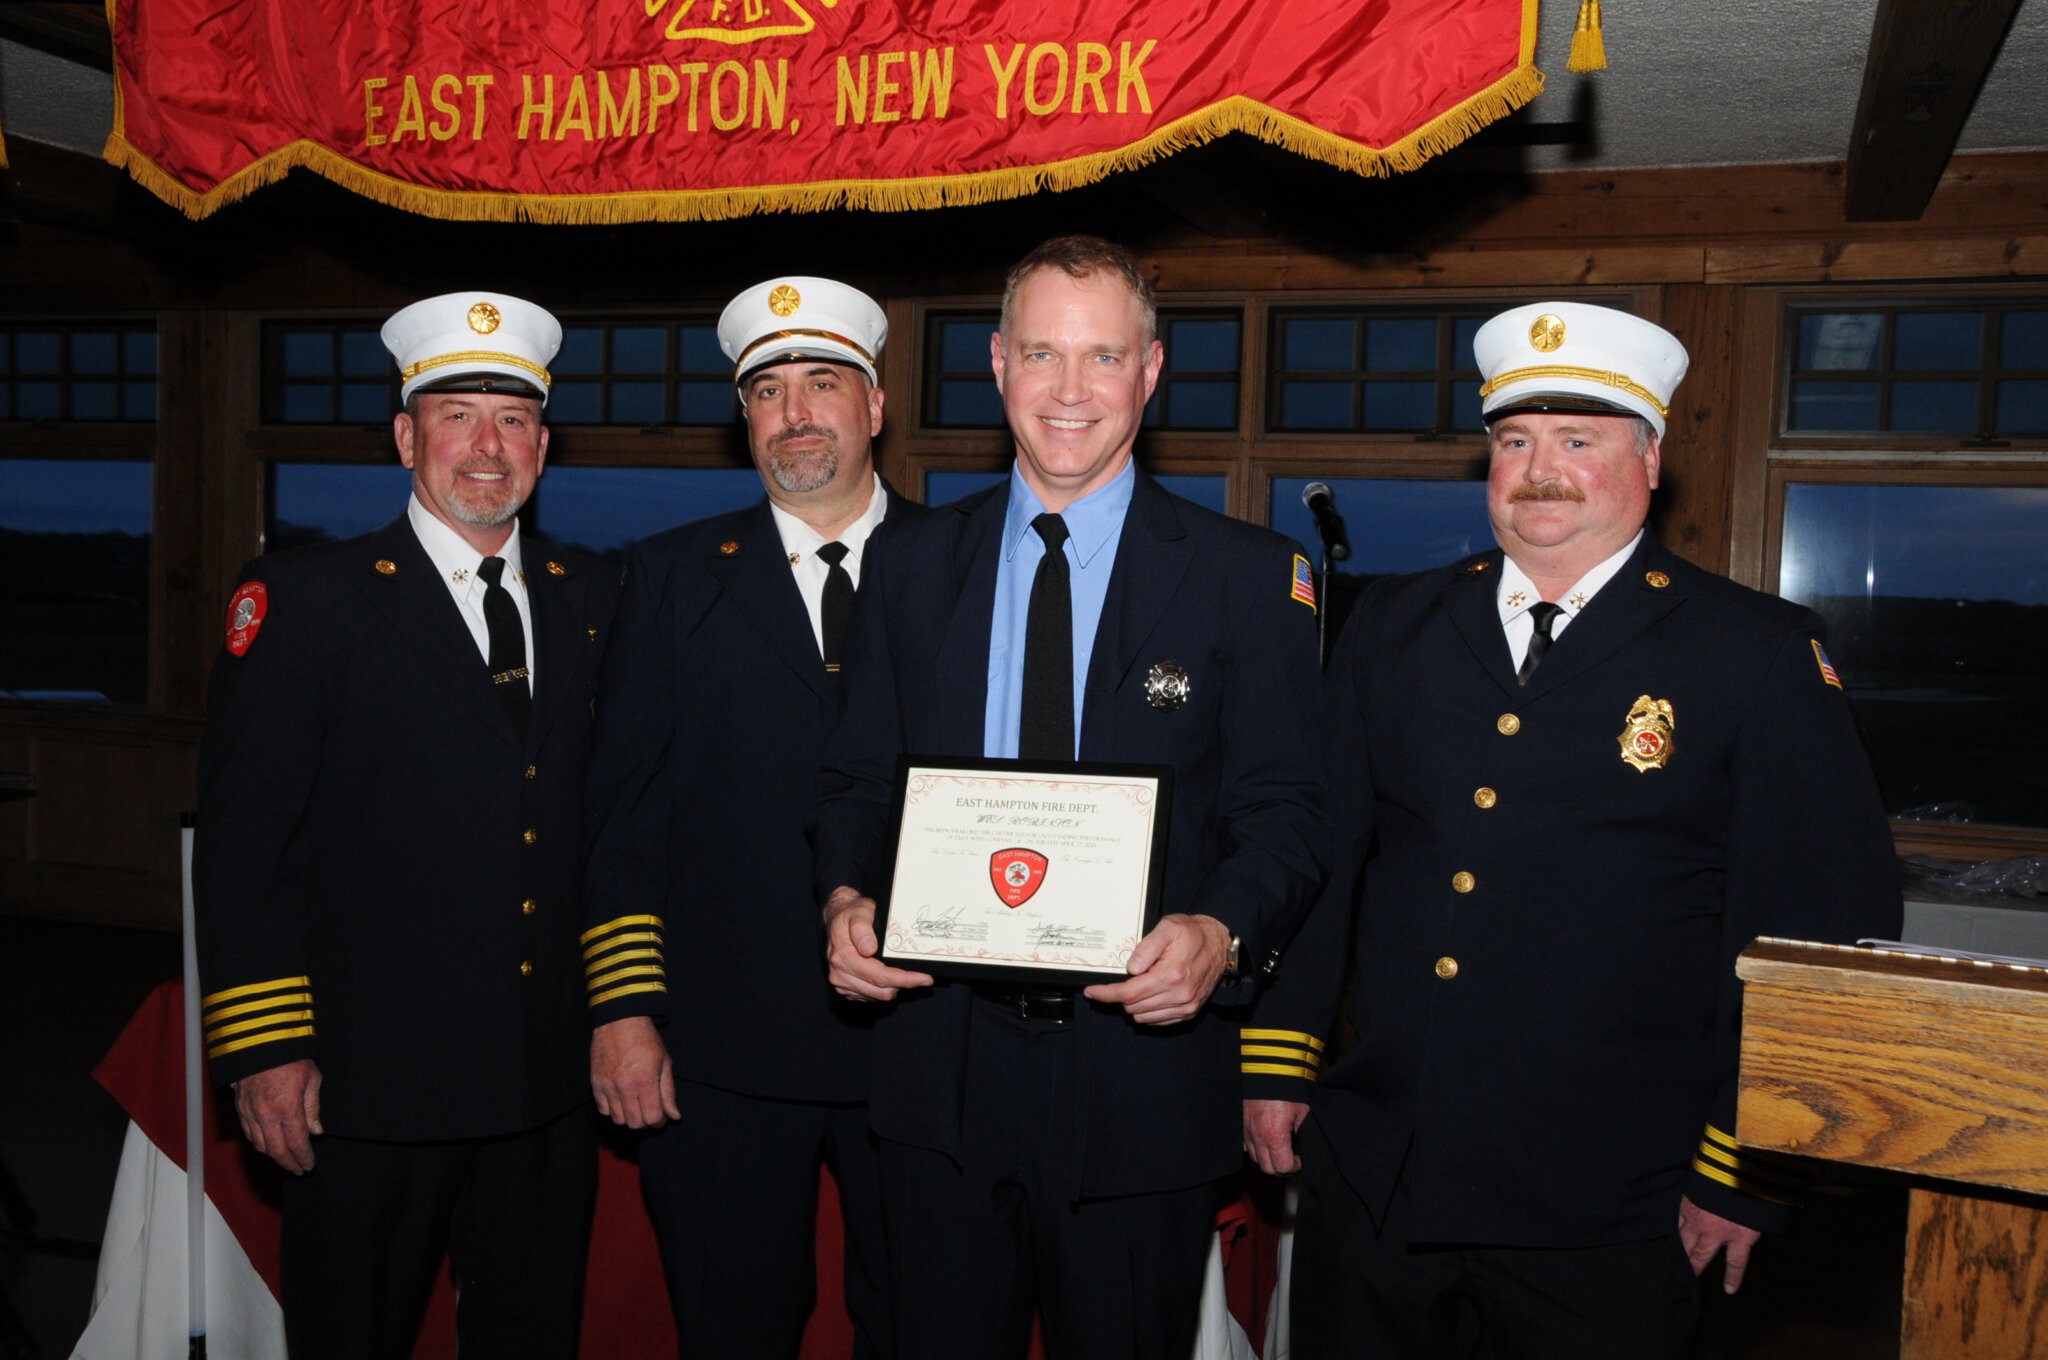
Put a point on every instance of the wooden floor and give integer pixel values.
(1828, 1290)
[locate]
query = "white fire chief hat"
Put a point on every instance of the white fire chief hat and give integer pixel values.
(784, 320)
(1573, 356)
(474, 342)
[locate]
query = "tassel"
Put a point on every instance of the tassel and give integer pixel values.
(1589, 50)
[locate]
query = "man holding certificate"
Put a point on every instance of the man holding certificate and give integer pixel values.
(1081, 744)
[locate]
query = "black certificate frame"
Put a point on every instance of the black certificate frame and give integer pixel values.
(1059, 978)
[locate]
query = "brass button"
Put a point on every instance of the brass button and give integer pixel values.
(532, 770)
(1485, 797)
(1447, 968)
(530, 835)
(1657, 579)
(528, 907)
(1509, 724)
(1463, 881)
(526, 969)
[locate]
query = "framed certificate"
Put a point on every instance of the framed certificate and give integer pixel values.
(1046, 872)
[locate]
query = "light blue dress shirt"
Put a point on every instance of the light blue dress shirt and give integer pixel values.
(1094, 525)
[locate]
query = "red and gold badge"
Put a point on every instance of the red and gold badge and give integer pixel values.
(245, 616)
(1646, 740)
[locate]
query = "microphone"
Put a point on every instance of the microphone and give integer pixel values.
(1318, 497)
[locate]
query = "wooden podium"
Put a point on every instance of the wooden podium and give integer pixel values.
(1931, 1066)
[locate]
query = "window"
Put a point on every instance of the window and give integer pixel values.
(1936, 599)
(77, 486)
(320, 374)
(78, 373)
(641, 411)
(959, 390)
(1921, 369)
(642, 373)
(1378, 370)
(1393, 524)
(1907, 490)
(605, 510)
(638, 373)
(1198, 382)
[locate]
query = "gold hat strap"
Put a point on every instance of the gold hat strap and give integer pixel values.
(1610, 379)
(476, 356)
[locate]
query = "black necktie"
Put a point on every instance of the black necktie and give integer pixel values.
(1544, 615)
(508, 644)
(838, 605)
(1046, 730)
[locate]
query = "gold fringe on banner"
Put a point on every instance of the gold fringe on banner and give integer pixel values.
(1235, 114)
(1589, 48)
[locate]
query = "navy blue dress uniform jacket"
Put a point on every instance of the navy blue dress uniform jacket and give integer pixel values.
(713, 713)
(1546, 999)
(386, 874)
(1158, 1108)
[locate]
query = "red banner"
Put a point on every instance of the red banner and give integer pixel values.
(626, 110)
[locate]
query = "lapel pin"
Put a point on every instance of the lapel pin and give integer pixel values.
(1167, 685)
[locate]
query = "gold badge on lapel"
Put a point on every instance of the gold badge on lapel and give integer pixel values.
(1646, 741)
(1167, 686)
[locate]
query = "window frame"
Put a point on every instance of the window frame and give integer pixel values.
(64, 439)
(263, 443)
(1893, 301)
(1768, 459)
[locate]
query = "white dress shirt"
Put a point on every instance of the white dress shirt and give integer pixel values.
(801, 542)
(1518, 594)
(457, 562)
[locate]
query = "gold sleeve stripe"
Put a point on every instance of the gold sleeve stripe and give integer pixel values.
(221, 1050)
(275, 984)
(1274, 1051)
(618, 992)
(215, 1016)
(617, 923)
(1285, 1036)
(603, 980)
(1753, 1168)
(1257, 1069)
(1734, 1182)
(214, 1032)
(612, 960)
(633, 937)
(1726, 1140)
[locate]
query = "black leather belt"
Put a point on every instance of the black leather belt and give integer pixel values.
(1029, 1003)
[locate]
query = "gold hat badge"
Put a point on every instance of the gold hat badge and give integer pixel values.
(1646, 740)
(783, 300)
(484, 318)
(1546, 332)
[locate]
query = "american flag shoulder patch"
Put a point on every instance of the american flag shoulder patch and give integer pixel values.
(1827, 669)
(1304, 581)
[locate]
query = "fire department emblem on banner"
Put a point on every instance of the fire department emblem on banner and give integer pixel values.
(1016, 874)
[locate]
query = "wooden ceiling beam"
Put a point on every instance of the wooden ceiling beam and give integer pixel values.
(1928, 60)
